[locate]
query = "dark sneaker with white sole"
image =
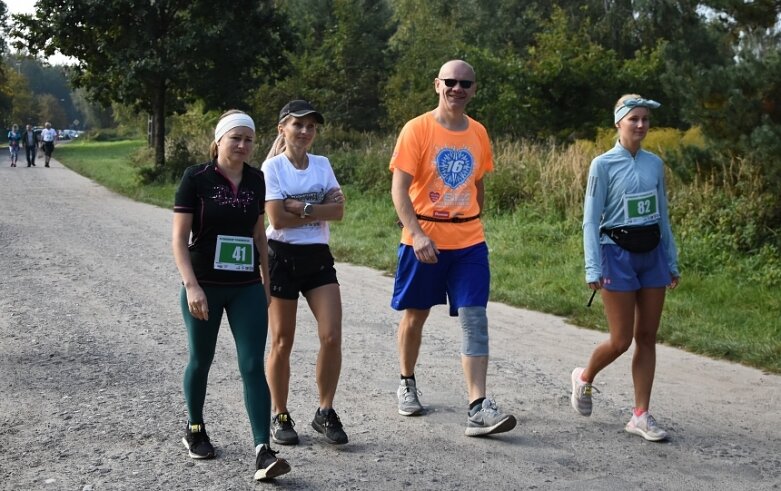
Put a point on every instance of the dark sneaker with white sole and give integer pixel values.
(330, 426)
(282, 429)
(268, 465)
(197, 442)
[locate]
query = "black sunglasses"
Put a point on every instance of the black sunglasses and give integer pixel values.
(451, 82)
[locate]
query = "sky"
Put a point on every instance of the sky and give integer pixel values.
(28, 7)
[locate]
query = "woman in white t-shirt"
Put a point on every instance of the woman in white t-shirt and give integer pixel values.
(302, 196)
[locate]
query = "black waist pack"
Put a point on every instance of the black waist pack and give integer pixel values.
(300, 260)
(635, 239)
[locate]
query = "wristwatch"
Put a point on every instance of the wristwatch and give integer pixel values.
(307, 210)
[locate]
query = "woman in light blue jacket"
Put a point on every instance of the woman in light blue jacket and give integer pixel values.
(630, 258)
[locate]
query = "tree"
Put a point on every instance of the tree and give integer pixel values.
(339, 63)
(92, 115)
(575, 80)
(24, 109)
(426, 36)
(43, 78)
(5, 96)
(157, 55)
(356, 57)
(50, 109)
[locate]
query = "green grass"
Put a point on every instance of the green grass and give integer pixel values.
(109, 163)
(536, 263)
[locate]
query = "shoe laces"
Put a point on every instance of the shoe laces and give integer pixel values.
(199, 436)
(284, 420)
(267, 449)
(587, 390)
(332, 419)
(266, 457)
(410, 393)
(489, 406)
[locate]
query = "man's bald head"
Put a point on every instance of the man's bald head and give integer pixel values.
(456, 66)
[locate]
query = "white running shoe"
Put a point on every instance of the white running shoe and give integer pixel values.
(581, 393)
(646, 427)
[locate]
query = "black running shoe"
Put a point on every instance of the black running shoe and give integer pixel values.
(197, 442)
(329, 425)
(268, 465)
(282, 430)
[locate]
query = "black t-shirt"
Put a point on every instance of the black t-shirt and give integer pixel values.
(219, 209)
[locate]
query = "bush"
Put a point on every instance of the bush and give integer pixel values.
(177, 158)
(545, 175)
(104, 135)
(364, 163)
(726, 215)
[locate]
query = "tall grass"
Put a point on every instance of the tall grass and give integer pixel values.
(550, 176)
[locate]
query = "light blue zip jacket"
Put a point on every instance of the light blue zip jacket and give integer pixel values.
(624, 190)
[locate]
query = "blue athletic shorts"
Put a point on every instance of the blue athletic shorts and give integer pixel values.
(460, 277)
(624, 271)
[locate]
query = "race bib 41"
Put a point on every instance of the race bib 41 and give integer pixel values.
(234, 253)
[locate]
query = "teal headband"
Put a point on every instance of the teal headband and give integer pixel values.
(630, 104)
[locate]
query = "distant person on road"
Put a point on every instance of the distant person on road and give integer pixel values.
(30, 143)
(438, 167)
(14, 137)
(48, 136)
(630, 257)
(302, 196)
(219, 245)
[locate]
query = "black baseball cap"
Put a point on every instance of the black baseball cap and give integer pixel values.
(300, 108)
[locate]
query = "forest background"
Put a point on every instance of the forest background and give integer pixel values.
(548, 73)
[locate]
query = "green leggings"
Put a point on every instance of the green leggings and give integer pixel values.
(248, 318)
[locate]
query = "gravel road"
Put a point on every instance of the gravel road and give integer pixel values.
(92, 349)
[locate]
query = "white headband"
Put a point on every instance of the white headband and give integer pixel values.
(630, 104)
(232, 121)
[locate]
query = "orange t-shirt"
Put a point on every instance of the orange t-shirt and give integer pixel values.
(444, 165)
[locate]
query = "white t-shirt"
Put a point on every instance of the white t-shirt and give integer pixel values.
(283, 180)
(48, 135)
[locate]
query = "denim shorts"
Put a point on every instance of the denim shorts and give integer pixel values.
(624, 271)
(460, 277)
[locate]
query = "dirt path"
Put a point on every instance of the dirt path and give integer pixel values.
(92, 349)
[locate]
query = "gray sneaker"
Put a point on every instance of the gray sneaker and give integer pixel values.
(487, 419)
(409, 404)
(581, 393)
(282, 430)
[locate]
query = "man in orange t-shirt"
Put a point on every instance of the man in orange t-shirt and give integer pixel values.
(438, 167)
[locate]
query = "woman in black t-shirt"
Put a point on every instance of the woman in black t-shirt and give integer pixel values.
(220, 249)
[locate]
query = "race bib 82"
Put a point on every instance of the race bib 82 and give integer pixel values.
(641, 207)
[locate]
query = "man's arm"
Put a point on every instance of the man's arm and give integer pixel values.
(401, 201)
(425, 250)
(480, 193)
